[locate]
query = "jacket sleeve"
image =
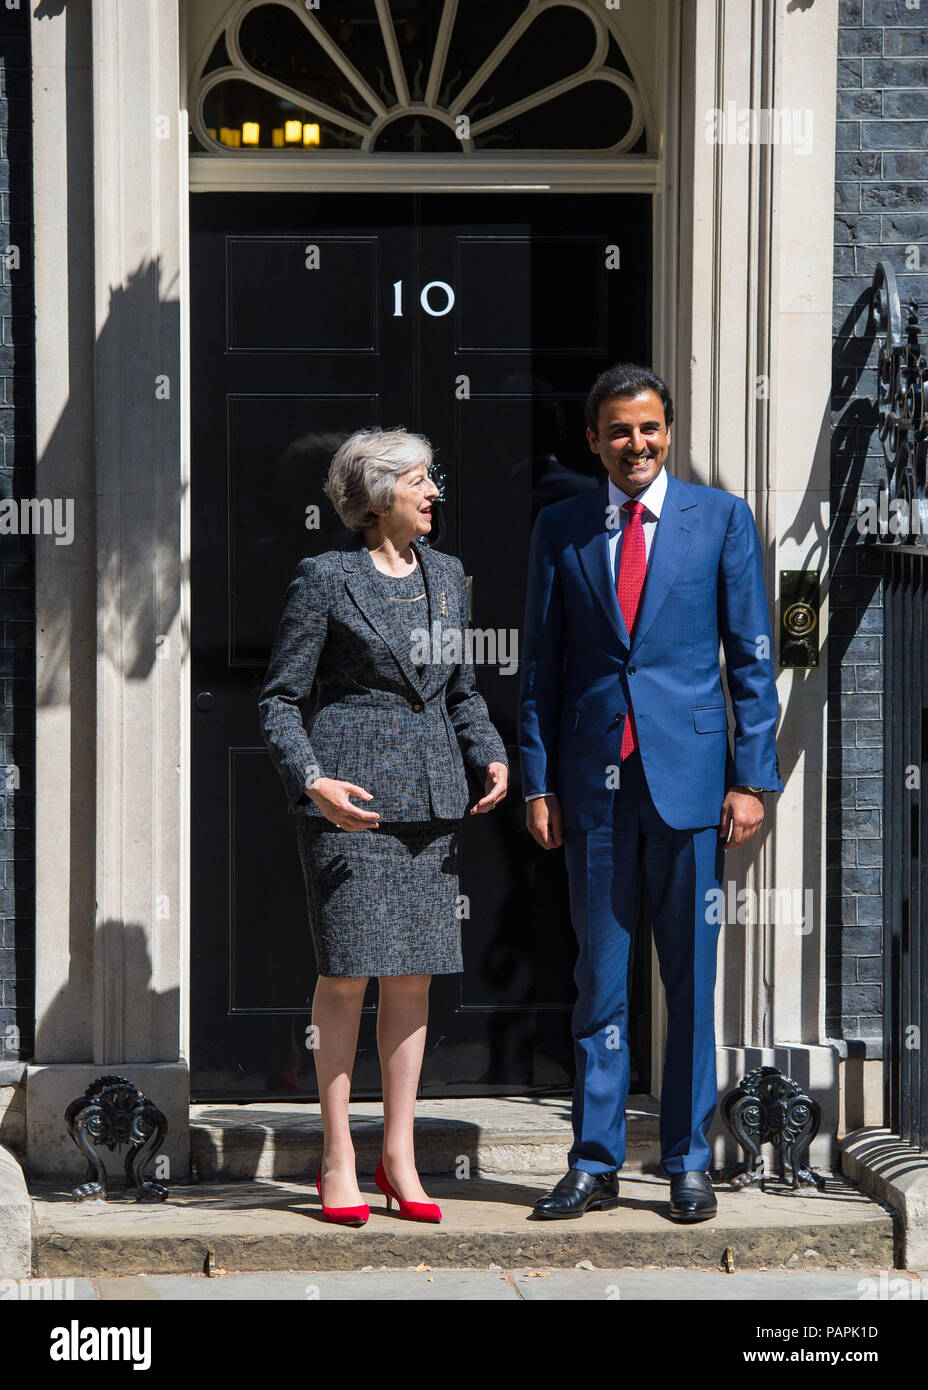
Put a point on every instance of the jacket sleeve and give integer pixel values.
(289, 679)
(542, 667)
(478, 738)
(747, 641)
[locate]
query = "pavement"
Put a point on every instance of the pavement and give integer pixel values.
(537, 1284)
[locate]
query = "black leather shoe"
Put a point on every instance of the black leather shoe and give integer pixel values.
(691, 1197)
(578, 1192)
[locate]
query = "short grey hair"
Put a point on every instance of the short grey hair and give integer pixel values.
(363, 473)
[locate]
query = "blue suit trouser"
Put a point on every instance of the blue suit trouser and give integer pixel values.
(678, 868)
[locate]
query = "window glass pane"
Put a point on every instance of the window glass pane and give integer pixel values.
(594, 116)
(275, 42)
(417, 133)
(355, 27)
(415, 23)
(219, 58)
(478, 28)
(559, 43)
(235, 111)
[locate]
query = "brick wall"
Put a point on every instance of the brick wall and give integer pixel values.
(881, 211)
(17, 588)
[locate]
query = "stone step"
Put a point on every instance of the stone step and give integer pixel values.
(497, 1136)
(268, 1224)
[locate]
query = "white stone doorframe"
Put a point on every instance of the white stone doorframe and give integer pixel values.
(754, 384)
(112, 700)
(742, 299)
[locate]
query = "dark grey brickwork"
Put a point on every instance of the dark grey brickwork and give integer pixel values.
(17, 584)
(881, 211)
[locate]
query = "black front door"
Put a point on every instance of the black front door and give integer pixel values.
(479, 321)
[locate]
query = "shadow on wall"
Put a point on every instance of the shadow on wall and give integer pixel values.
(122, 957)
(856, 625)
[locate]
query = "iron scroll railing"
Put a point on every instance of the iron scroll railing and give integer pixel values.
(902, 538)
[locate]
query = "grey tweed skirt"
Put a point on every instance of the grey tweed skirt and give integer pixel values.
(384, 901)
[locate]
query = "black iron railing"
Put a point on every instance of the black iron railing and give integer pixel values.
(901, 522)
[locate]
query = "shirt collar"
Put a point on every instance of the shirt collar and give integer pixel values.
(652, 496)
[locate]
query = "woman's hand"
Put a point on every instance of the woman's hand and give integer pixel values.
(497, 784)
(332, 798)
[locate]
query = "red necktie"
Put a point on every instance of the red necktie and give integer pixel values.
(633, 566)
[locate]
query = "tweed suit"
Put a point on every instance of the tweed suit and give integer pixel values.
(347, 696)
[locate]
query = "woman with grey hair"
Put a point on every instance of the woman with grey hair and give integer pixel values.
(395, 718)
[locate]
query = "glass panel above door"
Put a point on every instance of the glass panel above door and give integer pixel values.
(416, 77)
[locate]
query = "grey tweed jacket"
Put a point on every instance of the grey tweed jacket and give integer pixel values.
(342, 697)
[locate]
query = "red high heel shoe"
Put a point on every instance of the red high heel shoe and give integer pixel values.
(344, 1216)
(413, 1211)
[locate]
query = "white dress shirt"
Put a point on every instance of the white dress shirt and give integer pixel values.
(653, 499)
(616, 519)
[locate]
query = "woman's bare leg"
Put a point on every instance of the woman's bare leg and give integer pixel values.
(401, 1023)
(337, 1015)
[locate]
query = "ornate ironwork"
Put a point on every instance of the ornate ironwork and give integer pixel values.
(113, 1112)
(767, 1107)
(903, 424)
(902, 402)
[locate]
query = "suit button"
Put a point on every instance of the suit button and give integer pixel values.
(632, 670)
(417, 707)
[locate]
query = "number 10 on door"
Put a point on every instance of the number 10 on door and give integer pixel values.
(443, 291)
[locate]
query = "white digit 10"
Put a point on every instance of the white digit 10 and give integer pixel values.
(424, 298)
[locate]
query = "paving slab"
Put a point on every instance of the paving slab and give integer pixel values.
(709, 1286)
(464, 1285)
(496, 1285)
(278, 1225)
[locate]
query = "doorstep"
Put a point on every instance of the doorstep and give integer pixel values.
(487, 1136)
(274, 1224)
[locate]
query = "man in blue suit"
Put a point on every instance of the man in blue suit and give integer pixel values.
(623, 736)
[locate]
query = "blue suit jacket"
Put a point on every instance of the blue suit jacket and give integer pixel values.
(580, 670)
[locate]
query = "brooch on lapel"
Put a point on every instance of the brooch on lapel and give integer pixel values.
(443, 605)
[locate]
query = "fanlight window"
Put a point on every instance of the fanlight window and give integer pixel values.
(404, 76)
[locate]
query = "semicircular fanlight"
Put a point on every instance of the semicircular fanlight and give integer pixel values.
(436, 76)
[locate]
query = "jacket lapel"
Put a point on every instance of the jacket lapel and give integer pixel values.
(365, 588)
(593, 554)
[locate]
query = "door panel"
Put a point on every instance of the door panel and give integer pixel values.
(479, 321)
(278, 301)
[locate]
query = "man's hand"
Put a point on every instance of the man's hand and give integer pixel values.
(543, 819)
(743, 814)
(497, 784)
(331, 796)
